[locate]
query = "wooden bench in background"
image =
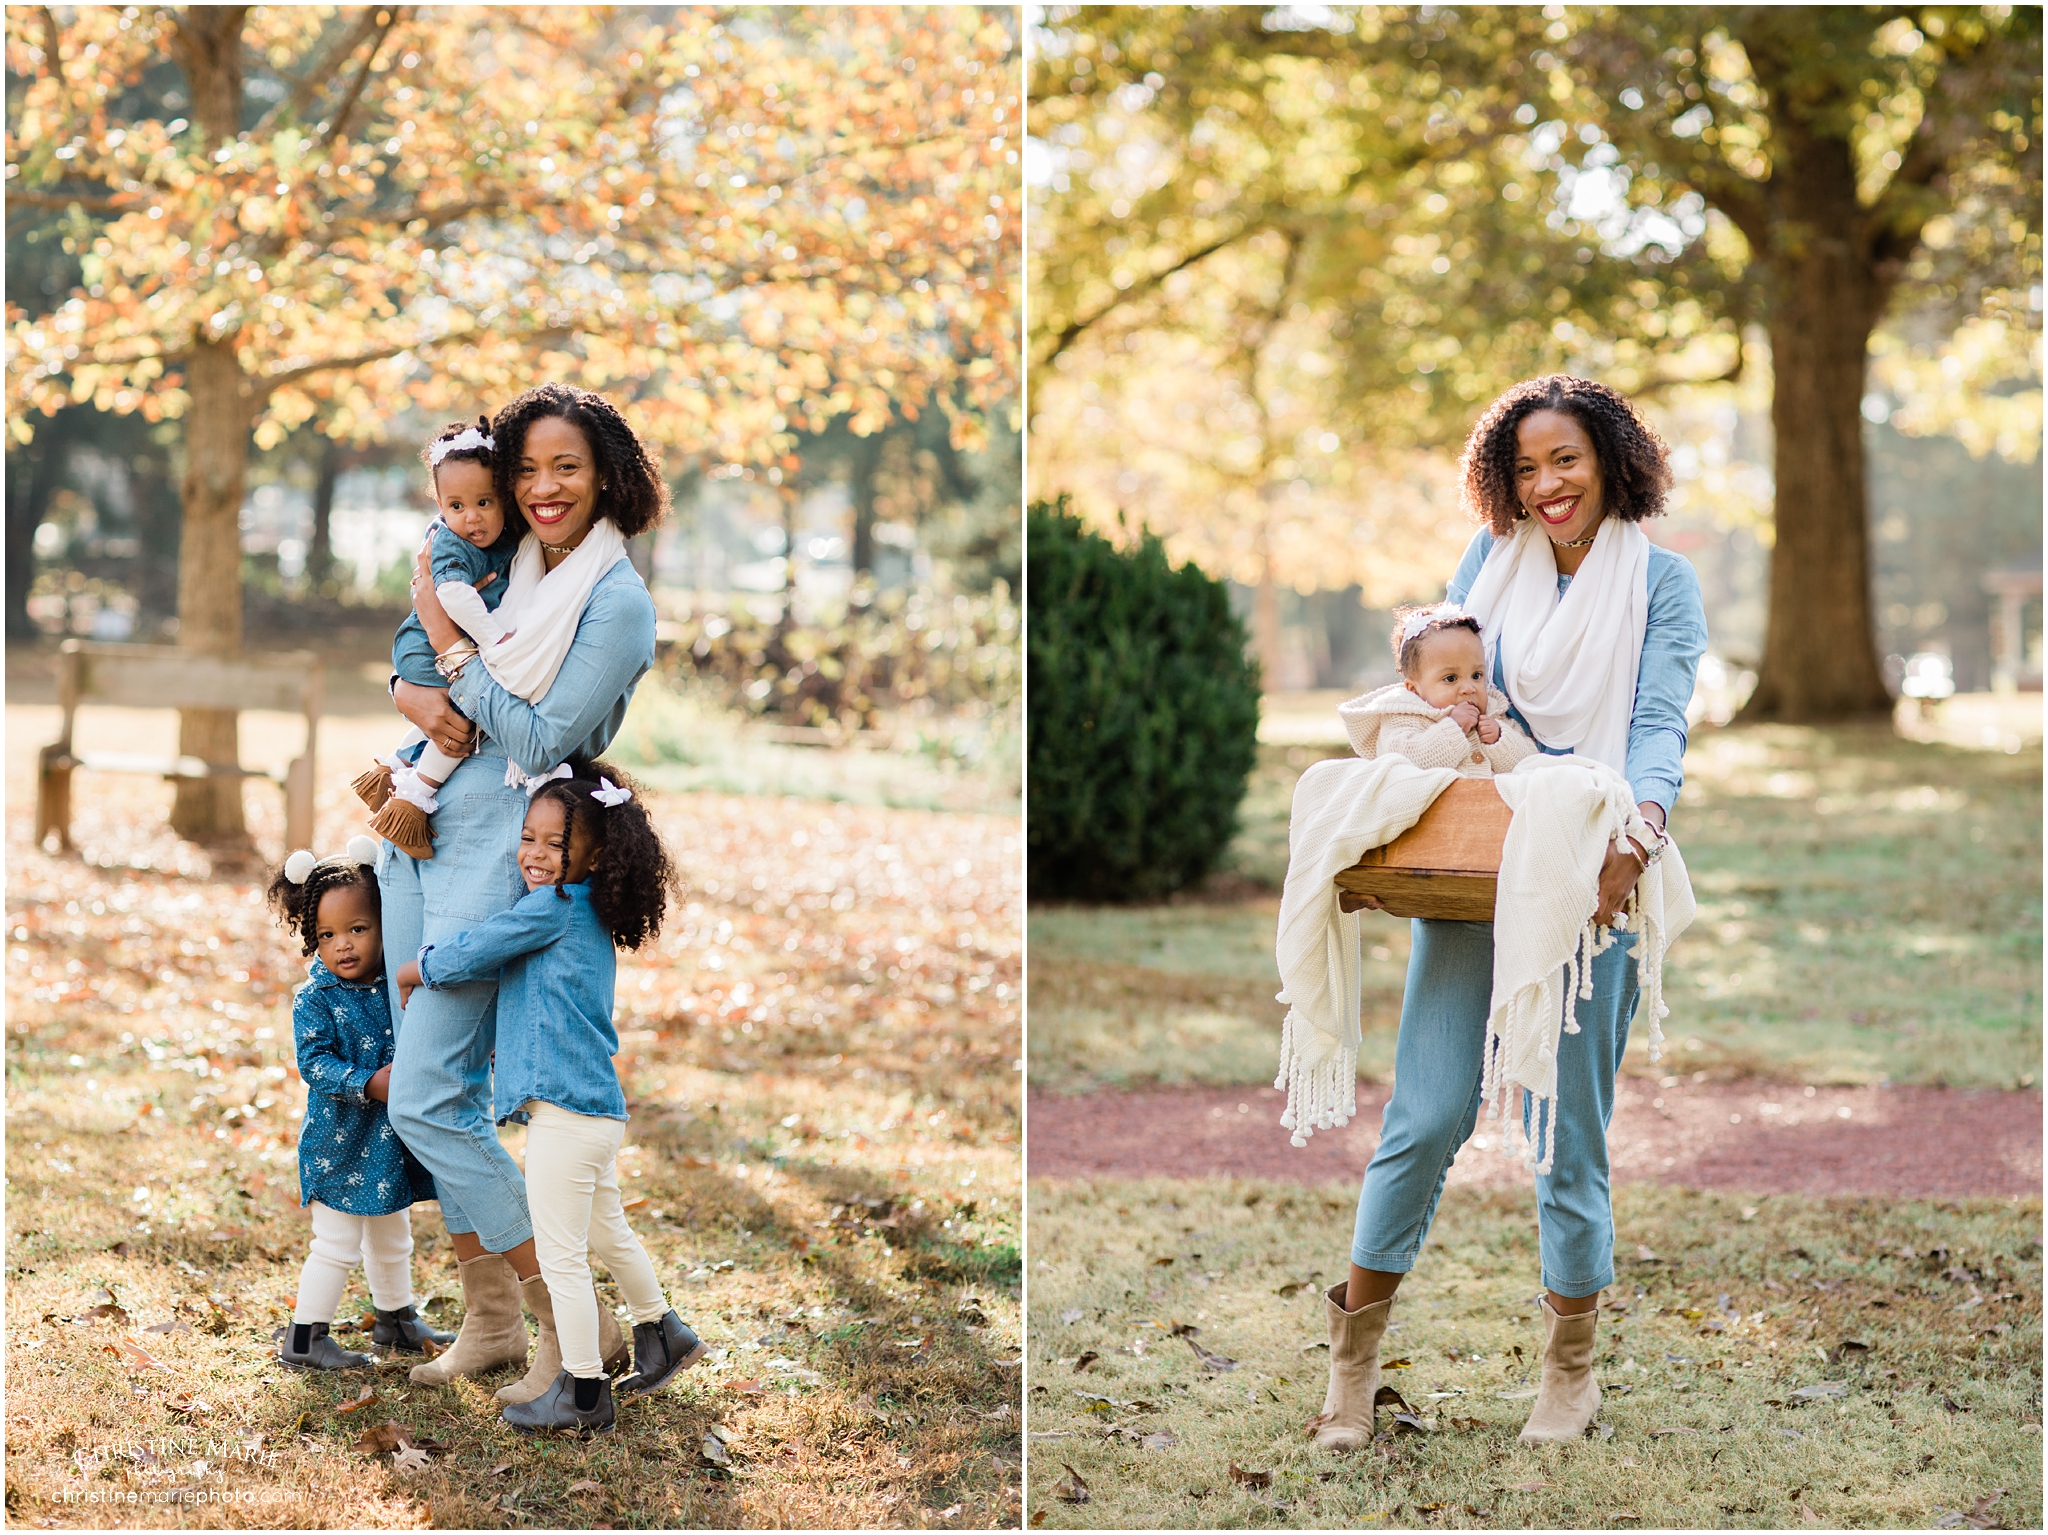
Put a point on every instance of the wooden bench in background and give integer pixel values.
(1446, 866)
(164, 677)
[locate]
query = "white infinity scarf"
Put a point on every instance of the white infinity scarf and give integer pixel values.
(542, 608)
(1569, 663)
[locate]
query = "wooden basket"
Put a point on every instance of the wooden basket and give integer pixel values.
(1446, 866)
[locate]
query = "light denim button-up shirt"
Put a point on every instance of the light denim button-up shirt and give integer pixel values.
(557, 972)
(1674, 639)
(584, 707)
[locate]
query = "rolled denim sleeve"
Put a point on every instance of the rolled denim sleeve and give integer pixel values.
(533, 923)
(586, 704)
(316, 1041)
(1674, 639)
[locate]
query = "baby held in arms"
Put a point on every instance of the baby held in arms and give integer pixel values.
(1443, 713)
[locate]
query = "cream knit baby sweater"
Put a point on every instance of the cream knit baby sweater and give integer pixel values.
(1399, 722)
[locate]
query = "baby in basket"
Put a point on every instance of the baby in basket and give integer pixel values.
(1443, 713)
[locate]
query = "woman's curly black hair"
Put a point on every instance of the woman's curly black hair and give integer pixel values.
(298, 906)
(1442, 617)
(633, 495)
(1635, 473)
(630, 882)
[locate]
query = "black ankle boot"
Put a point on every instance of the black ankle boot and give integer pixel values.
(306, 1346)
(403, 1330)
(557, 1407)
(660, 1349)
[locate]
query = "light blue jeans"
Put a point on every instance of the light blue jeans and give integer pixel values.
(1435, 1106)
(441, 1075)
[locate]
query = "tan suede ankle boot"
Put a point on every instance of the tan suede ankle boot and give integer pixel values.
(1345, 1423)
(406, 827)
(373, 788)
(1567, 1396)
(493, 1332)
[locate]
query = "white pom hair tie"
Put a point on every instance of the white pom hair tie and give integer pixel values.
(359, 850)
(610, 795)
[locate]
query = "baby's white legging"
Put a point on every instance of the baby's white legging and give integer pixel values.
(383, 1245)
(572, 1190)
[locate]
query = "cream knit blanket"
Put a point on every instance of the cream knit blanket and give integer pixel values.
(1342, 808)
(1567, 812)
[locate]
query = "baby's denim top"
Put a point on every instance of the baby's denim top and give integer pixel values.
(556, 971)
(454, 558)
(350, 1158)
(1674, 639)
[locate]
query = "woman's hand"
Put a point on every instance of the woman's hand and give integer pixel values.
(1620, 871)
(445, 725)
(441, 629)
(379, 1086)
(408, 981)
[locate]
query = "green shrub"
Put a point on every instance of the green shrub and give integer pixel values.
(1143, 715)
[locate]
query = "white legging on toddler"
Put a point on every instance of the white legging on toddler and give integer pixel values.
(383, 1245)
(572, 1190)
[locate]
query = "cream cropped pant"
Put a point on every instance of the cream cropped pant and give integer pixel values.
(382, 1243)
(572, 1190)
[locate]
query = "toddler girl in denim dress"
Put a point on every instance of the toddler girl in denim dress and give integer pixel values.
(354, 1173)
(472, 544)
(597, 877)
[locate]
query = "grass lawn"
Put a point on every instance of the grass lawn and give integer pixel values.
(1869, 907)
(823, 1162)
(1779, 1364)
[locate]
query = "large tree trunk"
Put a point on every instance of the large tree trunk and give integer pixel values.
(34, 472)
(210, 577)
(864, 462)
(1820, 646)
(320, 552)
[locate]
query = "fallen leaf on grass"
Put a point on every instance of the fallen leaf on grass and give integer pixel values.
(1826, 1390)
(1310, 1348)
(1522, 1395)
(950, 1513)
(1165, 1439)
(1210, 1361)
(1466, 1425)
(746, 1387)
(186, 1402)
(586, 1486)
(1253, 1479)
(1660, 1433)
(1536, 1486)
(1387, 1396)
(135, 1356)
(1408, 1423)
(1072, 1489)
(713, 1449)
(174, 1325)
(1085, 1360)
(500, 1468)
(410, 1457)
(1397, 1364)
(1071, 1316)
(368, 1396)
(106, 1312)
(1038, 1518)
(1977, 1517)
(632, 1204)
(1160, 1263)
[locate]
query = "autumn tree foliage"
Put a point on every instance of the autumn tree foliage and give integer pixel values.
(750, 224)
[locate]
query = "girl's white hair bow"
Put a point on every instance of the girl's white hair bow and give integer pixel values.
(609, 794)
(531, 782)
(1422, 618)
(300, 866)
(463, 441)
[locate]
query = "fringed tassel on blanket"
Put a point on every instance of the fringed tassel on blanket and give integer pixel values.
(1322, 1096)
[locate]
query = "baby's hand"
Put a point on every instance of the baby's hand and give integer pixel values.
(1489, 730)
(1467, 715)
(408, 981)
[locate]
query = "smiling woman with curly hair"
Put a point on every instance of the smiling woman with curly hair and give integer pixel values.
(1594, 635)
(584, 483)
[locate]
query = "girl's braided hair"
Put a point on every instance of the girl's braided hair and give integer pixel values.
(1442, 616)
(634, 495)
(1634, 471)
(630, 883)
(298, 905)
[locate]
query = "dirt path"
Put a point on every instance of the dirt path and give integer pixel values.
(1768, 1137)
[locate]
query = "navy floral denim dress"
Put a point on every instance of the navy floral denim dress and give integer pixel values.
(350, 1159)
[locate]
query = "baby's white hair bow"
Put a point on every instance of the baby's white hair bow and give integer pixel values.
(1422, 618)
(609, 794)
(300, 866)
(463, 441)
